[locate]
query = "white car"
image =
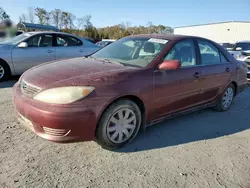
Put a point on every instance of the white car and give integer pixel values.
(241, 50)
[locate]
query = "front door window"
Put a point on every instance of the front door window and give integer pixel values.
(40, 41)
(183, 51)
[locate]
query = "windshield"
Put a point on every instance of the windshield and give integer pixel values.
(17, 39)
(242, 45)
(132, 51)
(227, 45)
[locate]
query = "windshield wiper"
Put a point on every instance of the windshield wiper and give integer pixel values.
(112, 61)
(129, 65)
(106, 60)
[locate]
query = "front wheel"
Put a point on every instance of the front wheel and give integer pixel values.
(4, 71)
(118, 125)
(225, 101)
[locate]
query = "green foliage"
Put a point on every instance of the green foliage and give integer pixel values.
(41, 14)
(83, 26)
(3, 15)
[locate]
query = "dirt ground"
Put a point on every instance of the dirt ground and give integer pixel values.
(201, 149)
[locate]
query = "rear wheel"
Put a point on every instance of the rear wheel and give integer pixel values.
(226, 99)
(4, 71)
(118, 125)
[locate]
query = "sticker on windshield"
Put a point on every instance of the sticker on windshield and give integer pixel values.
(162, 41)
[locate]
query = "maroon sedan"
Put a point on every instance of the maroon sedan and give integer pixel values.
(134, 82)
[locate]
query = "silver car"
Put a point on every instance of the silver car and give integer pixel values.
(241, 50)
(30, 49)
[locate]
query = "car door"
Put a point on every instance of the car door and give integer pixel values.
(216, 70)
(40, 49)
(69, 47)
(176, 90)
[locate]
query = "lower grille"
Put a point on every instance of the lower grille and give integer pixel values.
(27, 123)
(55, 132)
(28, 89)
(248, 61)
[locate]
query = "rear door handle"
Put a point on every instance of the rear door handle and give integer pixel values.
(196, 75)
(81, 50)
(227, 69)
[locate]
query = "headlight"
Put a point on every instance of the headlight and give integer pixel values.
(240, 56)
(64, 95)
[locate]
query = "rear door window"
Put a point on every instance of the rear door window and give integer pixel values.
(210, 54)
(67, 41)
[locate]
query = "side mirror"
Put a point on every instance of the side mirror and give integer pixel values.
(238, 49)
(23, 45)
(170, 65)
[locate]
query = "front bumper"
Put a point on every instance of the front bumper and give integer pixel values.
(247, 61)
(248, 74)
(58, 123)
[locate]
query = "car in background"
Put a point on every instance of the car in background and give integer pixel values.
(31, 49)
(89, 39)
(227, 46)
(241, 51)
(239, 47)
(137, 81)
(104, 43)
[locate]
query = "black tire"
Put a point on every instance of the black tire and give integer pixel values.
(219, 105)
(6, 71)
(101, 131)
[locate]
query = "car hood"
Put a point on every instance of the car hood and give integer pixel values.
(234, 53)
(246, 53)
(73, 72)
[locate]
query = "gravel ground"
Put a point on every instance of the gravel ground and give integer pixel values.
(201, 149)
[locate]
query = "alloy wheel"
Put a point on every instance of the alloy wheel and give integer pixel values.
(228, 97)
(121, 125)
(1, 72)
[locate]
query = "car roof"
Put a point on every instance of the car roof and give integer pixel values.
(166, 36)
(245, 41)
(51, 32)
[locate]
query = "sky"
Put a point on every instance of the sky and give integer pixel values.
(171, 13)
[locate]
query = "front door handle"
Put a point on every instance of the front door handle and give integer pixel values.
(81, 50)
(196, 75)
(50, 51)
(227, 69)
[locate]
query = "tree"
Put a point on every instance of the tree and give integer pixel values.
(47, 18)
(80, 23)
(88, 26)
(41, 14)
(31, 15)
(23, 18)
(87, 22)
(168, 30)
(128, 24)
(56, 16)
(150, 25)
(3, 15)
(160, 29)
(67, 20)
